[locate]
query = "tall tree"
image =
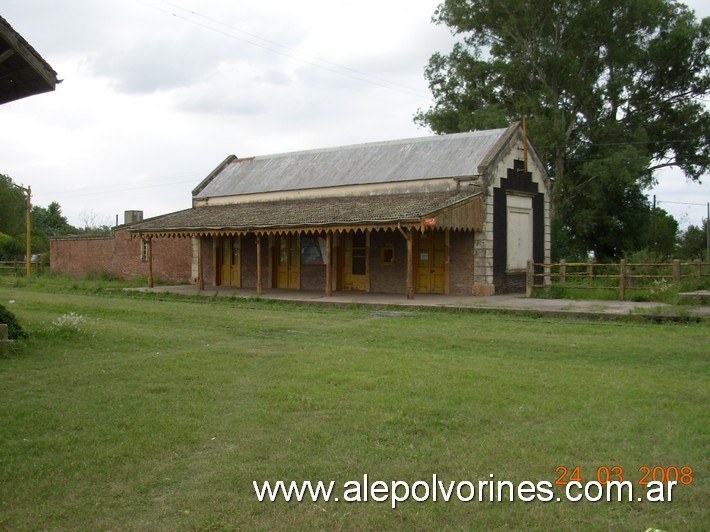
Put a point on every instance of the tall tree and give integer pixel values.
(50, 220)
(692, 243)
(12, 207)
(45, 222)
(613, 89)
(663, 235)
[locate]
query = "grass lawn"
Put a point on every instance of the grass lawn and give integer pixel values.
(158, 414)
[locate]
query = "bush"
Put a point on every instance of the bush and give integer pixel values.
(13, 327)
(647, 256)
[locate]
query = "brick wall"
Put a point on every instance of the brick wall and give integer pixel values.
(388, 279)
(172, 259)
(119, 256)
(248, 261)
(81, 256)
(462, 262)
(208, 260)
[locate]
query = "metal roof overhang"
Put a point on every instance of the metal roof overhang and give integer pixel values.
(454, 211)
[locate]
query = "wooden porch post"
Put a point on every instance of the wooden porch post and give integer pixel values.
(447, 260)
(367, 260)
(200, 266)
(270, 263)
(149, 243)
(410, 262)
(529, 278)
(329, 263)
(259, 285)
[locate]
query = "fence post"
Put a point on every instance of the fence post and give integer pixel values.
(529, 279)
(590, 273)
(676, 271)
(698, 268)
(622, 279)
(563, 270)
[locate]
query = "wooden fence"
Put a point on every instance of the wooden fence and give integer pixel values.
(18, 268)
(619, 277)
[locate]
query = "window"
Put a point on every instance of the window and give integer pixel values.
(359, 266)
(144, 250)
(387, 255)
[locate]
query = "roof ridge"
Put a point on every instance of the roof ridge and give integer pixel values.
(396, 142)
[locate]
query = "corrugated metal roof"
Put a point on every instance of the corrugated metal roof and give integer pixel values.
(440, 156)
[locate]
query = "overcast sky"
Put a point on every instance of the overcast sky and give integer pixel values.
(157, 93)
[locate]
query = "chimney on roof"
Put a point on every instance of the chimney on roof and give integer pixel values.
(132, 217)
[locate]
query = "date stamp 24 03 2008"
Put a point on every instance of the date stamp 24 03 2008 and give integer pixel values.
(604, 474)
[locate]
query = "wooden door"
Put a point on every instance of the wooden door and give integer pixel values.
(287, 261)
(354, 261)
(430, 263)
(228, 260)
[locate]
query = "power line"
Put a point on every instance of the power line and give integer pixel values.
(683, 203)
(289, 52)
(293, 50)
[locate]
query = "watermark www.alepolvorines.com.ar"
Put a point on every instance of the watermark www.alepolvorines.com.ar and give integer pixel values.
(437, 490)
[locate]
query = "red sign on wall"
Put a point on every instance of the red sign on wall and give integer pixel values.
(429, 221)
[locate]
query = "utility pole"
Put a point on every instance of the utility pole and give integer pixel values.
(707, 234)
(653, 225)
(525, 144)
(28, 251)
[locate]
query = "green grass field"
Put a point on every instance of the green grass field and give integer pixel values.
(158, 414)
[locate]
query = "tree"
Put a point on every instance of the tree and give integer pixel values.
(9, 247)
(45, 222)
(692, 243)
(613, 89)
(50, 220)
(12, 207)
(663, 237)
(94, 223)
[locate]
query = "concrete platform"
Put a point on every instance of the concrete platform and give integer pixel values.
(517, 303)
(699, 296)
